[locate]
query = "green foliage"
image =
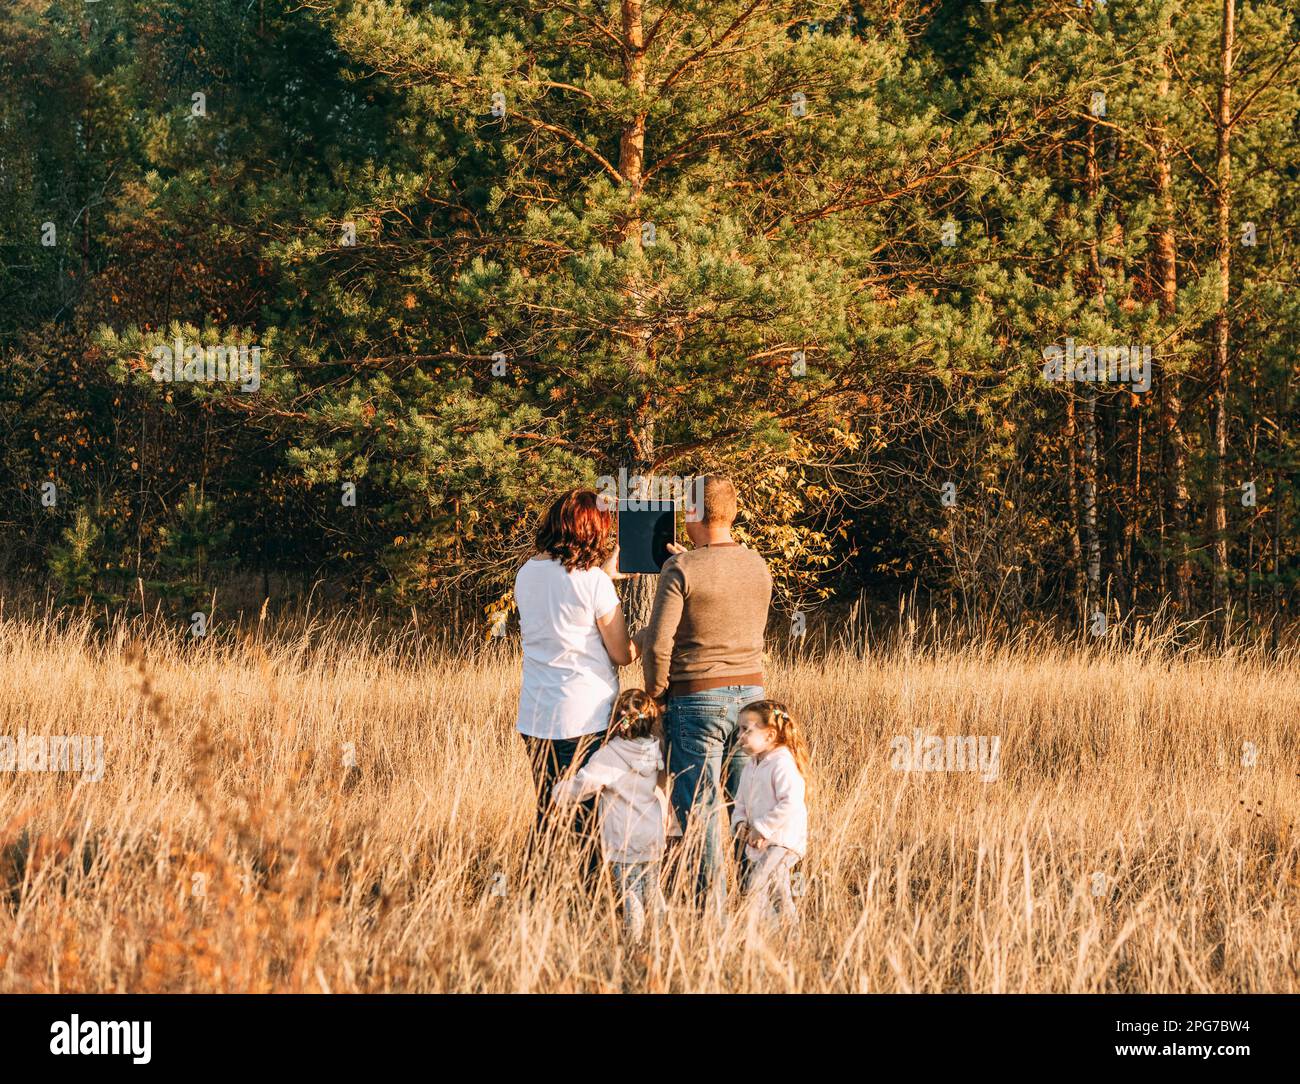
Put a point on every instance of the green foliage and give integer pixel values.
(80, 565)
(193, 550)
(491, 251)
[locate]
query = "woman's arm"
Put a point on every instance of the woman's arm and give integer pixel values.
(610, 567)
(613, 630)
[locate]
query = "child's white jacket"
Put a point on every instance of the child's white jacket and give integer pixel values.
(770, 799)
(632, 808)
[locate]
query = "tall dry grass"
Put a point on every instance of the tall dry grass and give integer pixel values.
(230, 846)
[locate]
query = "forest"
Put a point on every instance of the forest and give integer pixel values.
(988, 307)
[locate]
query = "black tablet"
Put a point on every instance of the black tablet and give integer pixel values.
(644, 530)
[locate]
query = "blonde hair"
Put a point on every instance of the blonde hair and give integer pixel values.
(773, 715)
(720, 503)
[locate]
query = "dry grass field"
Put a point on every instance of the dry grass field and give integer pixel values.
(1128, 844)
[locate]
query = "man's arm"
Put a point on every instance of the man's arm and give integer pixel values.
(657, 640)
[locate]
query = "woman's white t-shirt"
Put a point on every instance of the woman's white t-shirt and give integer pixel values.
(569, 681)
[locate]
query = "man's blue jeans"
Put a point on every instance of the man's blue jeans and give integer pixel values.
(703, 757)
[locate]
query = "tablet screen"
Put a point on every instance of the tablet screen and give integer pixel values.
(644, 531)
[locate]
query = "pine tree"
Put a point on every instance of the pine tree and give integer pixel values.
(79, 564)
(661, 235)
(193, 550)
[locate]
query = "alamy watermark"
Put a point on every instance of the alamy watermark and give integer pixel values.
(640, 493)
(112, 1037)
(946, 753)
(1099, 364)
(54, 753)
(214, 364)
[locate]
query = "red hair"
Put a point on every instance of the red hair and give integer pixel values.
(577, 531)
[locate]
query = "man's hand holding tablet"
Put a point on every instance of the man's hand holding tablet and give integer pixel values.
(610, 566)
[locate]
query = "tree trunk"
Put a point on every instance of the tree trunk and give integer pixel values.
(1135, 498)
(1171, 402)
(1282, 400)
(1072, 490)
(1091, 539)
(631, 165)
(1250, 516)
(1219, 396)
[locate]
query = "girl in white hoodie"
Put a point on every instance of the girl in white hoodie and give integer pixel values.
(632, 806)
(770, 814)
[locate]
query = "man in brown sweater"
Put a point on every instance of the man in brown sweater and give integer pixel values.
(703, 651)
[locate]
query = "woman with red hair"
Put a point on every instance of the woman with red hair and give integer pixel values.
(574, 637)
